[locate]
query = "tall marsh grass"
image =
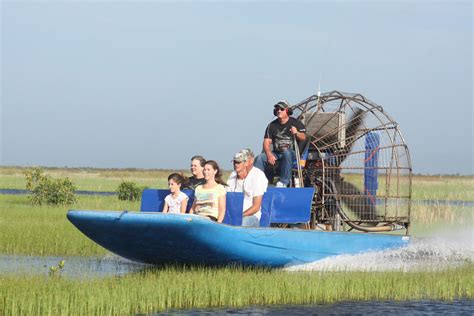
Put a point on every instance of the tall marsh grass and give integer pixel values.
(424, 187)
(45, 230)
(180, 288)
(93, 179)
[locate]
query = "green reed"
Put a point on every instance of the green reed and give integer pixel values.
(45, 230)
(424, 187)
(93, 179)
(180, 288)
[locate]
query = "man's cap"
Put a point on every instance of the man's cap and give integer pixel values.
(283, 104)
(243, 155)
(248, 151)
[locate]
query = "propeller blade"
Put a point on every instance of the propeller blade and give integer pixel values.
(351, 134)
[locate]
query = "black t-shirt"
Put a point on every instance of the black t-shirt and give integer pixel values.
(280, 134)
(192, 183)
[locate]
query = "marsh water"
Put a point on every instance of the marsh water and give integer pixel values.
(74, 267)
(445, 250)
(463, 307)
(422, 254)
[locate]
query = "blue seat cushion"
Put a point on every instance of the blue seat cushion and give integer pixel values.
(279, 205)
(291, 205)
(234, 204)
(154, 200)
(266, 209)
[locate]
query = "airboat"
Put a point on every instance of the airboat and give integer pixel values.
(354, 196)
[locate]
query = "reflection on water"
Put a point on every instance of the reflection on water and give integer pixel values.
(464, 307)
(76, 267)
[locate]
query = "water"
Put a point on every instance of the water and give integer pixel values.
(463, 307)
(422, 254)
(74, 267)
(425, 254)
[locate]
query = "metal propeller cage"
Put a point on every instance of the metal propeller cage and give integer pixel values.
(359, 162)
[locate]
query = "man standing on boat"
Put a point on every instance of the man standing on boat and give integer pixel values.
(280, 133)
(252, 182)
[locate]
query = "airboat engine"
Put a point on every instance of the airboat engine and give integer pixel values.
(359, 163)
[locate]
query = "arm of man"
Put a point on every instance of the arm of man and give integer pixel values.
(266, 148)
(256, 204)
(301, 136)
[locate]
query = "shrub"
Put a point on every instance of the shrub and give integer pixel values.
(129, 191)
(44, 189)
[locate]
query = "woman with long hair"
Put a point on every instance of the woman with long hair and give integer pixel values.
(210, 197)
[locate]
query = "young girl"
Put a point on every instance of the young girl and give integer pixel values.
(176, 201)
(210, 197)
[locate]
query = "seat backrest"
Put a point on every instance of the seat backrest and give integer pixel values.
(266, 209)
(234, 205)
(153, 200)
(279, 205)
(291, 205)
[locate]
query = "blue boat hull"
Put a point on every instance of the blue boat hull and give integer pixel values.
(158, 238)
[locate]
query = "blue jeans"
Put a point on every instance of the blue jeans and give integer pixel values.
(251, 220)
(285, 159)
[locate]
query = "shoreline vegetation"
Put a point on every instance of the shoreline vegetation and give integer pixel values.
(44, 231)
(157, 290)
(425, 187)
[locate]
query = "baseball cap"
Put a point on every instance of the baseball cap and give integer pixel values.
(283, 104)
(243, 155)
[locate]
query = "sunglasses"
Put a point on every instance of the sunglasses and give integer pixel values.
(279, 109)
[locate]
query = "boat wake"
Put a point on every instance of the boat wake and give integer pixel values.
(422, 254)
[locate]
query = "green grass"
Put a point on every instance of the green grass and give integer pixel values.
(93, 179)
(180, 288)
(443, 188)
(44, 230)
(424, 187)
(89, 179)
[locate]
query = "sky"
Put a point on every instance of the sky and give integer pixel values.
(143, 84)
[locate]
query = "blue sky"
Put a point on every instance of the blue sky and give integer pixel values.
(149, 84)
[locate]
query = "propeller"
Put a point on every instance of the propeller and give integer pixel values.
(358, 202)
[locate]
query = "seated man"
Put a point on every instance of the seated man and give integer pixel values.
(281, 134)
(252, 182)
